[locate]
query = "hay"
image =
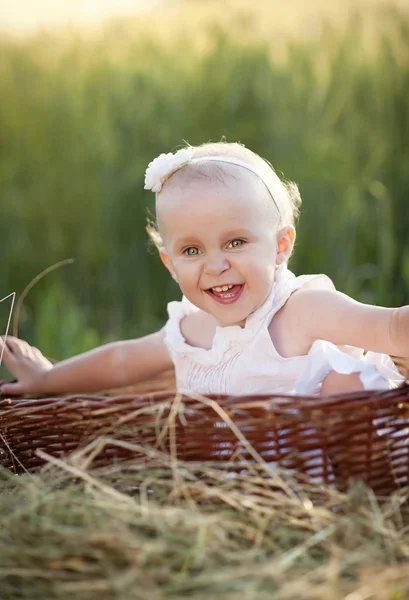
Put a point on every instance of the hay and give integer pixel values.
(161, 528)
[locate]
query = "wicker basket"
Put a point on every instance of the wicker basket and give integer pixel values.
(360, 435)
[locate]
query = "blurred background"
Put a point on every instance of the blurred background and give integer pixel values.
(92, 91)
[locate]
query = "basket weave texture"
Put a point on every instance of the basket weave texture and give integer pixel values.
(361, 435)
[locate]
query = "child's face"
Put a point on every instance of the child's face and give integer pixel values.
(221, 245)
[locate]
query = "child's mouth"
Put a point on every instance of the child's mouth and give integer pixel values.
(226, 294)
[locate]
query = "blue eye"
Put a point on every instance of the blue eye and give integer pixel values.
(236, 243)
(192, 251)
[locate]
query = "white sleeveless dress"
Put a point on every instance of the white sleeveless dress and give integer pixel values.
(244, 360)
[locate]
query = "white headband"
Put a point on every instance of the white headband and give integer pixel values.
(165, 164)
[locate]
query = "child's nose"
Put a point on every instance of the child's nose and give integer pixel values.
(216, 265)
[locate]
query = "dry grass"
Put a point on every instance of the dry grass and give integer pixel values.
(164, 529)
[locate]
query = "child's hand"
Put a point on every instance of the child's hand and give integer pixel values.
(26, 363)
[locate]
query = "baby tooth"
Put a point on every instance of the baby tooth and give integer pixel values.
(222, 288)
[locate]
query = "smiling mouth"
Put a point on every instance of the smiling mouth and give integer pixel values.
(226, 293)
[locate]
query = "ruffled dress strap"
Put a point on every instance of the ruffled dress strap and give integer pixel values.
(285, 284)
(177, 311)
(177, 346)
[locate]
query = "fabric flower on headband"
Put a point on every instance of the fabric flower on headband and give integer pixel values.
(163, 165)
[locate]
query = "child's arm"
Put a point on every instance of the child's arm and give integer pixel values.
(114, 365)
(336, 383)
(330, 315)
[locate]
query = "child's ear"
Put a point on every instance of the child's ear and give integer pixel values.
(285, 243)
(165, 259)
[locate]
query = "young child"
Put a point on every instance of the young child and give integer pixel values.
(246, 324)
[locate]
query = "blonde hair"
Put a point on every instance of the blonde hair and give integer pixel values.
(287, 205)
